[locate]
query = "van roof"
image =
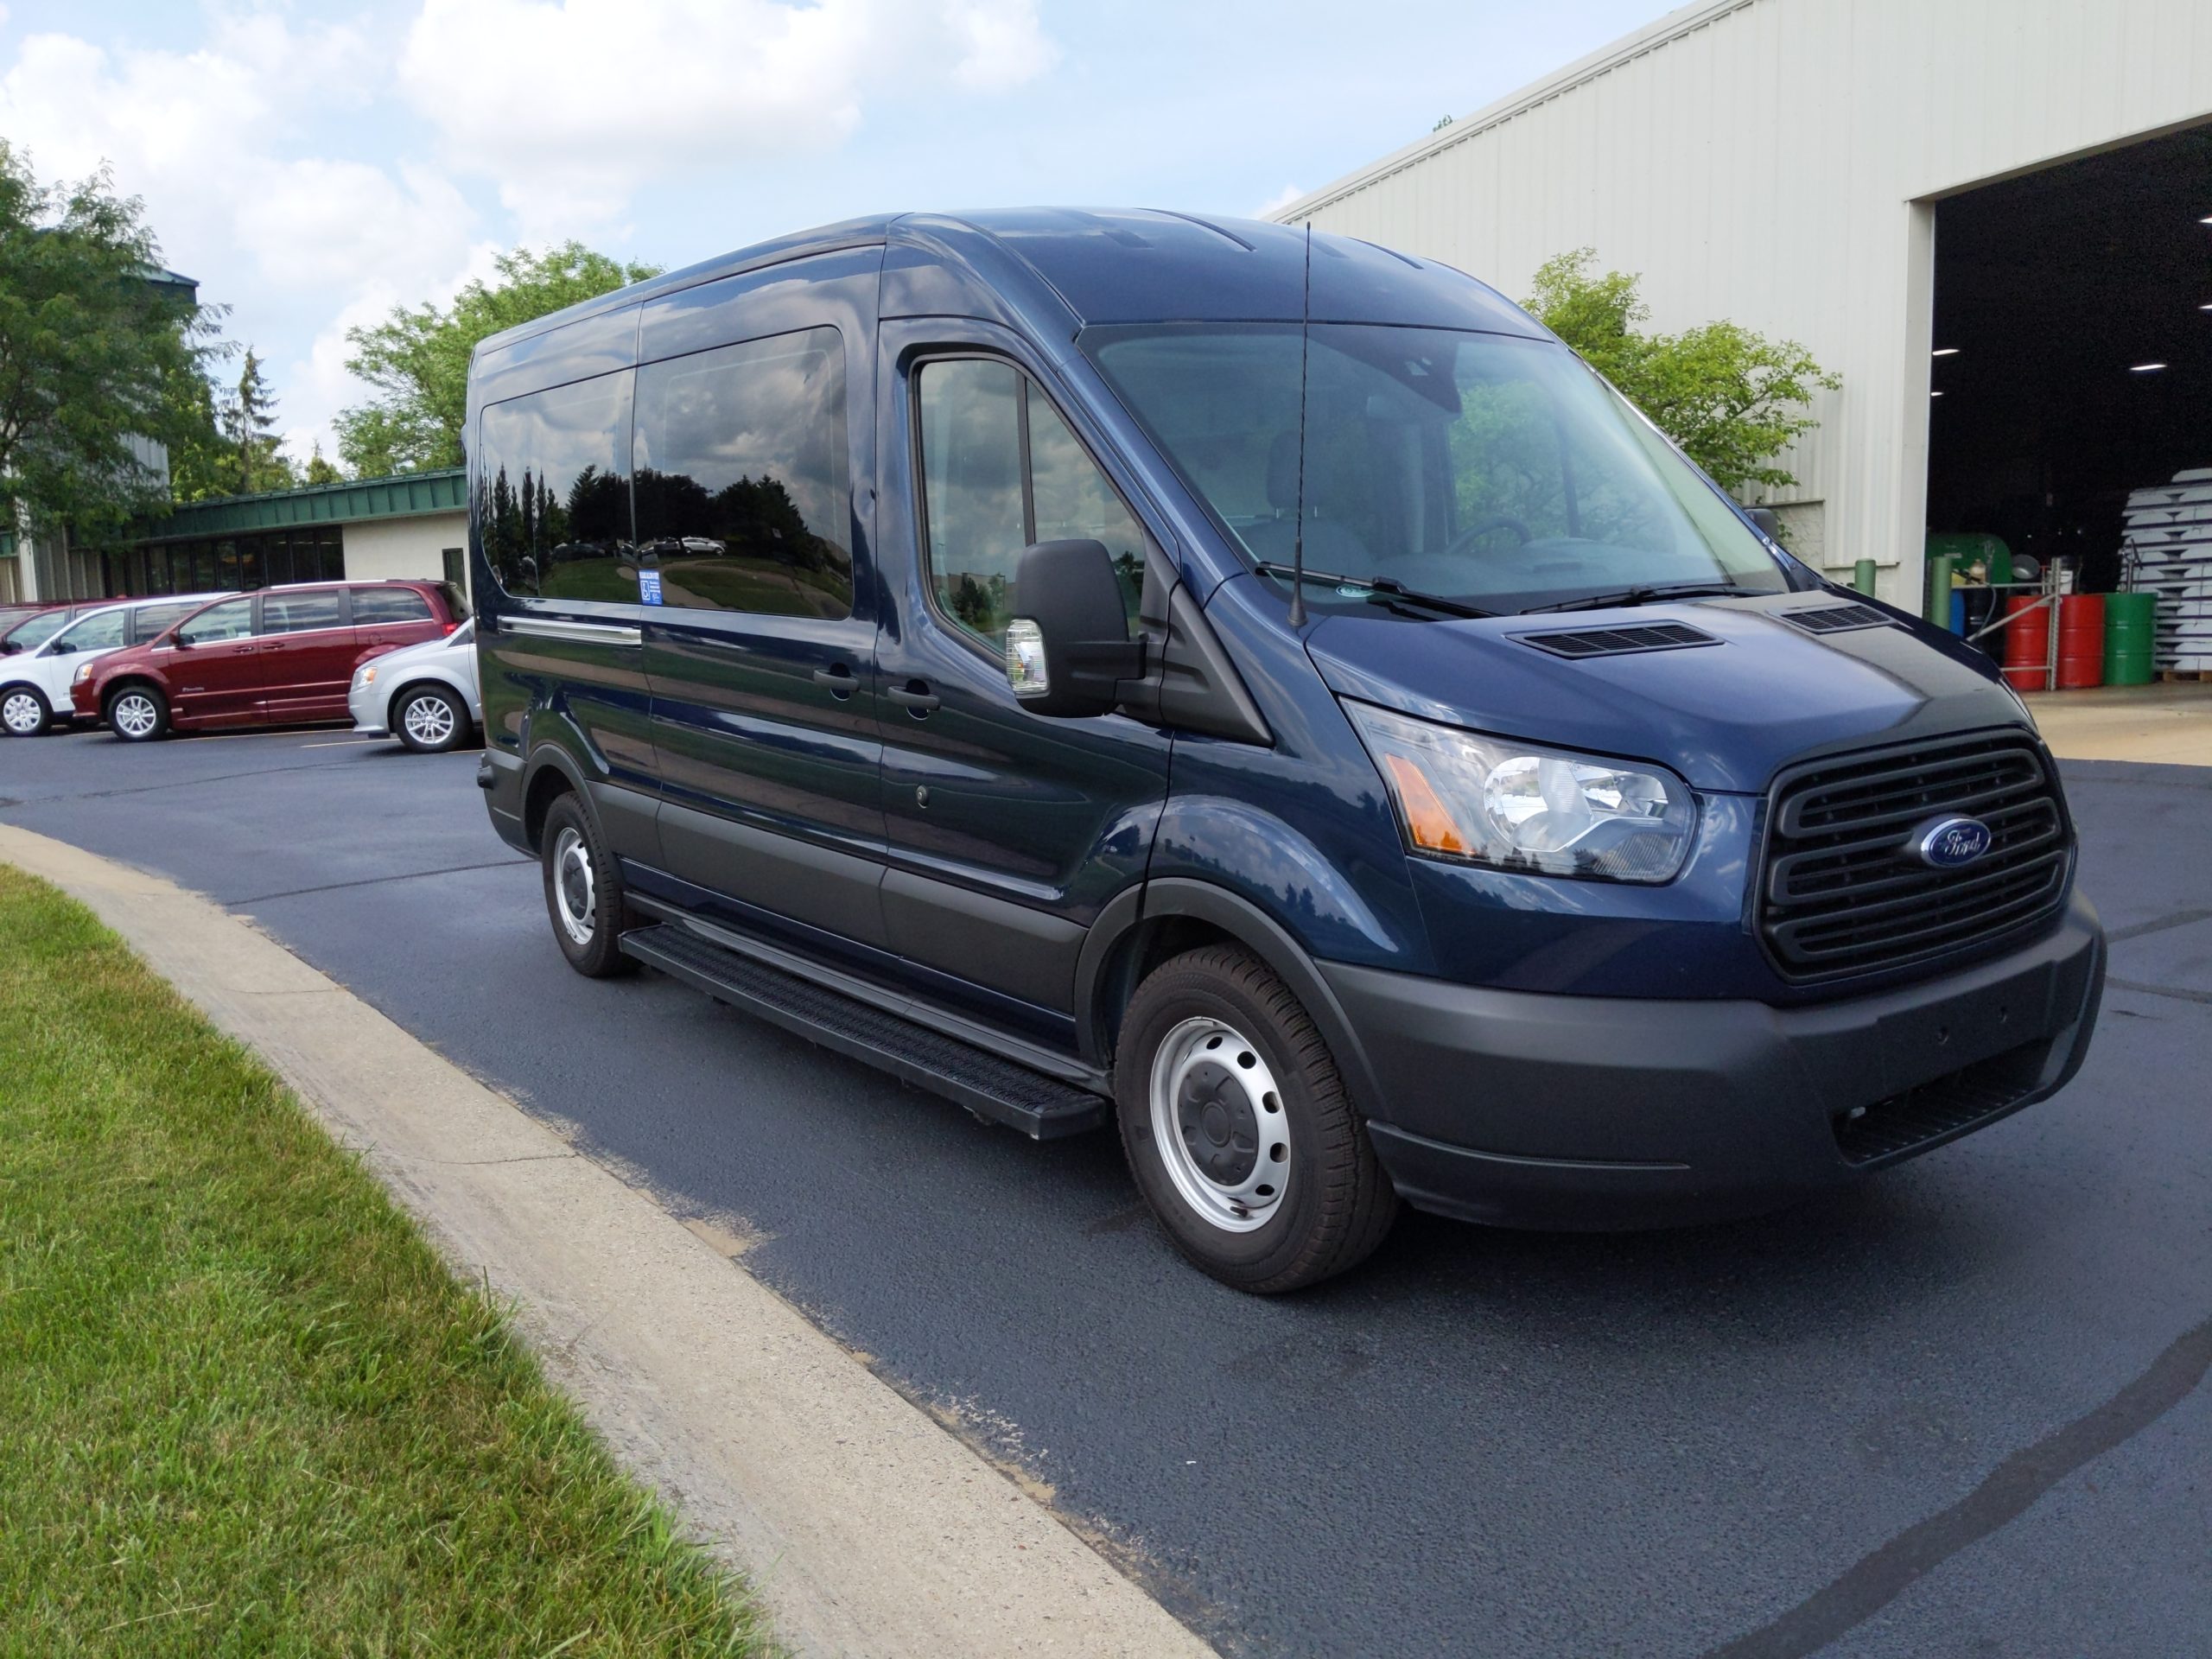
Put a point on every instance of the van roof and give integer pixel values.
(1083, 266)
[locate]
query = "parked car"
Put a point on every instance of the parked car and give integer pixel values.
(282, 656)
(30, 629)
(424, 695)
(34, 684)
(1263, 690)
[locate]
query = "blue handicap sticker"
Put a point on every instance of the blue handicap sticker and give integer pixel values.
(649, 587)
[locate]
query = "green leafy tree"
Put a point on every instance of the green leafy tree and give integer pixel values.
(319, 470)
(202, 464)
(96, 352)
(257, 456)
(1732, 398)
(417, 358)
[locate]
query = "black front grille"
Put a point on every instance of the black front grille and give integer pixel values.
(1843, 893)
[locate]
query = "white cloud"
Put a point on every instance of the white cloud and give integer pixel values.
(571, 106)
(210, 138)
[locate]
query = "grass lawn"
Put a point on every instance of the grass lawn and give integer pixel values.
(244, 1407)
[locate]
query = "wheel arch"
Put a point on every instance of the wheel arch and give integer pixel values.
(550, 774)
(1145, 925)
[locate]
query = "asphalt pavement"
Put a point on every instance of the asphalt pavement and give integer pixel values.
(1958, 1410)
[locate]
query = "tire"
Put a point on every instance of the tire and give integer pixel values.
(137, 713)
(1270, 1183)
(429, 720)
(24, 713)
(583, 891)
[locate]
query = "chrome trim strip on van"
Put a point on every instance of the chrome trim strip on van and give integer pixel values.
(595, 633)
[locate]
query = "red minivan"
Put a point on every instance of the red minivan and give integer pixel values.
(284, 656)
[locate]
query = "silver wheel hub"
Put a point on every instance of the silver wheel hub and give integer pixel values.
(1217, 1117)
(429, 720)
(20, 712)
(574, 898)
(134, 714)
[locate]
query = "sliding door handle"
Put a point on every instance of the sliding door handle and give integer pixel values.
(915, 697)
(841, 680)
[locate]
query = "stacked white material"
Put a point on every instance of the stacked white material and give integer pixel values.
(2168, 550)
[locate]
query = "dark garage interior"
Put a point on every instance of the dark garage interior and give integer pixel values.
(2054, 291)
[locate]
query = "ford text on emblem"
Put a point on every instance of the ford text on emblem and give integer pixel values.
(1946, 844)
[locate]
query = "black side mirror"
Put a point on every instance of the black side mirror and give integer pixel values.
(1068, 649)
(1767, 519)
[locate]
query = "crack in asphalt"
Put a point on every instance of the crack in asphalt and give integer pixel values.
(2179, 919)
(2159, 990)
(2006, 1494)
(183, 783)
(371, 881)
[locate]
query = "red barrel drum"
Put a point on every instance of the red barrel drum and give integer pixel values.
(2081, 641)
(2027, 644)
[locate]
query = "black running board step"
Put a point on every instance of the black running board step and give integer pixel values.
(988, 1084)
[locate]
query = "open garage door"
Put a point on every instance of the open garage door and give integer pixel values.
(2073, 335)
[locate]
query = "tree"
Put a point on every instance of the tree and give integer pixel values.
(202, 464)
(1733, 400)
(417, 358)
(96, 352)
(258, 461)
(319, 470)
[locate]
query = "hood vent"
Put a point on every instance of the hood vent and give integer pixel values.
(1836, 619)
(1578, 642)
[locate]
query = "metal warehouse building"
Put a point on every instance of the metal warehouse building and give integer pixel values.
(1992, 218)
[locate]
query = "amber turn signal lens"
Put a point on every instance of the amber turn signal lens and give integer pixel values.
(1426, 819)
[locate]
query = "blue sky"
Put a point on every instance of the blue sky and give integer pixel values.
(314, 165)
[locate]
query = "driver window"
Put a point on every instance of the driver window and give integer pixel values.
(232, 620)
(1001, 470)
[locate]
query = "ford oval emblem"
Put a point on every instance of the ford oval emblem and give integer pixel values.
(1947, 844)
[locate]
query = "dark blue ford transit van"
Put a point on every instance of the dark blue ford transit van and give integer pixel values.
(1265, 691)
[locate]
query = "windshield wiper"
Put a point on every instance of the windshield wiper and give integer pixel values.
(1390, 586)
(1648, 595)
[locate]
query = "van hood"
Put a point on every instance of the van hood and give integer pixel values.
(1724, 717)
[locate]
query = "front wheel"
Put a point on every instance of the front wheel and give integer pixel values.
(1239, 1129)
(23, 712)
(430, 719)
(583, 891)
(138, 714)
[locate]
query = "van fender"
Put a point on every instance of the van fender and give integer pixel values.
(1135, 909)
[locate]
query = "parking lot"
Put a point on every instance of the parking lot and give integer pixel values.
(1952, 1411)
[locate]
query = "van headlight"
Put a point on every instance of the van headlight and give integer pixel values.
(1488, 800)
(367, 677)
(84, 672)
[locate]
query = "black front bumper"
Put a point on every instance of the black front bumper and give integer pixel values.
(1602, 1112)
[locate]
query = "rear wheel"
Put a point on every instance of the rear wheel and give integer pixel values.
(429, 720)
(23, 712)
(583, 891)
(1239, 1129)
(138, 714)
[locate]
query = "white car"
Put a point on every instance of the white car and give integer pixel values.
(423, 695)
(35, 683)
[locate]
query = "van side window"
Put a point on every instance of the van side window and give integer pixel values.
(374, 605)
(102, 632)
(744, 490)
(555, 488)
(150, 619)
(1001, 470)
(232, 620)
(301, 612)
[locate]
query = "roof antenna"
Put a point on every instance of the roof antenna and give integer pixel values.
(1298, 526)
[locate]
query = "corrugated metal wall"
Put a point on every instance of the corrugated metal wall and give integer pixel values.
(1773, 162)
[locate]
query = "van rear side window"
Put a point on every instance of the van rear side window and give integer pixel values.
(744, 493)
(555, 483)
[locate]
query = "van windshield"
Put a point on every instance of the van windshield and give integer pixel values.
(1494, 472)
